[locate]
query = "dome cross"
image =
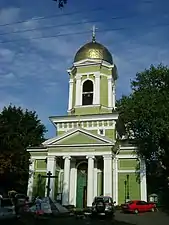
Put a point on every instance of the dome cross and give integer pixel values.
(94, 33)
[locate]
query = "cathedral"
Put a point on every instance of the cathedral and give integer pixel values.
(88, 157)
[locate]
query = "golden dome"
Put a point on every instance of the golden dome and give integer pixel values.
(93, 50)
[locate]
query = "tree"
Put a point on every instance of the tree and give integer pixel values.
(19, 129)
(145, 113)
(61, 3)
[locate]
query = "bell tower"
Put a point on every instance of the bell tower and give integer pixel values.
(92, 80)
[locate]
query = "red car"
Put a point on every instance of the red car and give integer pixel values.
(137, 206)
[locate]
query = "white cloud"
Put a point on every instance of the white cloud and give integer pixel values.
(9, 15)
(6, 55)
(38, 66)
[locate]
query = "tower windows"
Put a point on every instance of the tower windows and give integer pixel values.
(87, 94)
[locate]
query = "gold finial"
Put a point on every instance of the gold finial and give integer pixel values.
(94, 33)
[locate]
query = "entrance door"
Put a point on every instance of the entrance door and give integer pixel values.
(81, 198)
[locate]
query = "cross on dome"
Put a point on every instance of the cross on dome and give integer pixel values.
(94, 33)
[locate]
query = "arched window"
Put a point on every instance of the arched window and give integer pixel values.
(87, 95)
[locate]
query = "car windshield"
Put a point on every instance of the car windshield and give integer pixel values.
(105, 199)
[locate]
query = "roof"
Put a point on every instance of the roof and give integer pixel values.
(93, 50)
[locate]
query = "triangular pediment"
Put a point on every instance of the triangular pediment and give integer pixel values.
(78, 137)
(87, 62)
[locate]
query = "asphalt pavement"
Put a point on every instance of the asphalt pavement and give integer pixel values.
(157, 218)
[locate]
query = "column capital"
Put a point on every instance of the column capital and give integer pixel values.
(71, 81)
(78, 76)
(97, 75)
(108, 156)
(109, 78)
(51, 157)
(90, 157)
(67, 157)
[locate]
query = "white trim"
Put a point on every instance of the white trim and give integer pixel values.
(36, 150)
(70, 105)
(143, 181)
(89, 62)
(89, 128)
(40, 171)
(31, 179)
(81, 145)
(86, 106)
(92, 152)
(81, 91)
(95, 179)
(116, 183)
(114, 95)
(97, 87)
(127, 156)
(128, 148)
(85, 118)
(110, 95)
(78, 88)
(73, 177)
(37, 157)
(90, 180)
(128, 171)
(51, 166)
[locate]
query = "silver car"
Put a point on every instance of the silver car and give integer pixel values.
(103, 206)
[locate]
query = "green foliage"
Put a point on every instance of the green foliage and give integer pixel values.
(145, 115)
(19, 130)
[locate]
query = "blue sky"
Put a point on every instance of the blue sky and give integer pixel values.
(33, 71)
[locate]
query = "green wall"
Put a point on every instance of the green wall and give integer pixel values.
(128, 164)
(104, 91)
(40, 164)
(39, 184)
(134, 187)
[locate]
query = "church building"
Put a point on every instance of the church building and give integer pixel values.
(88, 157)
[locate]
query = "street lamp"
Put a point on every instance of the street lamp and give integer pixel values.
(128, 188)
(125, 191)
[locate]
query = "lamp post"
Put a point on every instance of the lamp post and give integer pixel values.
(128, 188)
(125, 191)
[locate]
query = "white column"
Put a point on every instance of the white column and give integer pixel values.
(70, 94)
(114, 96)
(73, 178)
(90, 180)
(78, 90)
(107, 176)
(66, 181)
(51, 166)
(143, 180)
(97, 89)
(30, 181)
(110, 94)
(115, 180)
(95, 179)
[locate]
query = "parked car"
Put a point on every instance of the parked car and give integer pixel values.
(103, 206)
(137, 206)
(7, 210)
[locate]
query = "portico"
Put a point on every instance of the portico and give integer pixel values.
(73, 167)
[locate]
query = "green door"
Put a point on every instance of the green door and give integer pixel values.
(81, 188)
